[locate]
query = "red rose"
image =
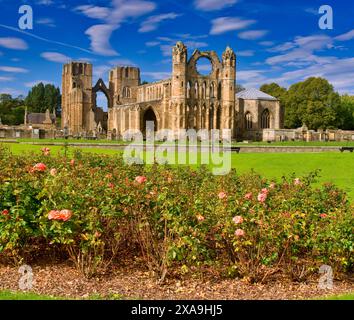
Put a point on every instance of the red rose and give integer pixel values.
(5, 212)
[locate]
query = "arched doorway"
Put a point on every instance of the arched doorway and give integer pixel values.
(149, 115)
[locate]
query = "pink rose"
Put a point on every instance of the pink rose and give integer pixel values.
(5, 212)
(72, 162)
(249, 196)
(297, 182)
(53, 215)
(141, 179)
(265, 191)
(222, 195)
(65, 214)
(200, 218)
(111, 185)
(323, 216)
(237, 220)
(272, 185)
(239, 233)
(53, 172)
(39, 167)
(46, 151)
(262, 197)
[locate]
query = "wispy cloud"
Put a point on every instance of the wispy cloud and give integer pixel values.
(152, 23)
(13, 43)
(213, 5)
(46, 21)
(99, 35)
(157, 75)
(346, 36)
(111, 18)
(5, 79)
(226, 24)
(55, 57)
(245, 53)
(44, 39)
(252, 34)
(13, 69)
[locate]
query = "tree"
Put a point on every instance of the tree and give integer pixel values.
(313, 102)
(346, 112)
(12, 110)
(42, 97)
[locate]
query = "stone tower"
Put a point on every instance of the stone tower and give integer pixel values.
(123, 83)
(178, 85)
(228, 83)
(76, 96)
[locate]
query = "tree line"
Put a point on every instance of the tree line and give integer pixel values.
(40, 98)
(313, 102)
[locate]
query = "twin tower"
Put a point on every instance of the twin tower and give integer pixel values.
(187, 100)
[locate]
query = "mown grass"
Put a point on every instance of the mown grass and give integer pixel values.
(337, 168)
(261, 143)
(10, 295)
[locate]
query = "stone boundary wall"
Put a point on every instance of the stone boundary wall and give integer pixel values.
(243, 149)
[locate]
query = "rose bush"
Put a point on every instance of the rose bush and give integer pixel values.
(94, 209)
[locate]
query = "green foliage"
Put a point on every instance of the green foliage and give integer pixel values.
(42, 97)
(178, 220)
(315, 103)
(12, 110)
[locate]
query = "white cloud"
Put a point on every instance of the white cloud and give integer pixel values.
(266, 43)
(100, 71)
(346, 36)
(13, 92)
(112, 17)
(157, 75)
(252, 34)
(33, 83)
(246, 53)
(55, 57)
(211, 5)
(13, 43)
(5, 79)
(46, 21)
(122, 62)
(301, 50)
(226, 24)
(152, 43)
(152, 23)
(45, 2)
(94, 12)
(13, 69)
(99, 35)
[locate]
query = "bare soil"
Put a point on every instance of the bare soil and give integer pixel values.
(128, 282)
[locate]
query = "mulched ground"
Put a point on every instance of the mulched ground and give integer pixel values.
(131, 283)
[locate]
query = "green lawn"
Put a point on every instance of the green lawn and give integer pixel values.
(337, 168)
(286, 143)
(9, 295)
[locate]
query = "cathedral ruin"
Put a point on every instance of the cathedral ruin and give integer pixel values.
(188, 100)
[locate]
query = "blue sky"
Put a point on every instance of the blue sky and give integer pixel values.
(274, 40)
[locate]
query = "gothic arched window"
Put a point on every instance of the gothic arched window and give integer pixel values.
(248, 120)
(204, 90)
(265, 119)
(188, 90)
(196, 90)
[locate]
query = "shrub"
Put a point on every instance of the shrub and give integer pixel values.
(95, 209)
